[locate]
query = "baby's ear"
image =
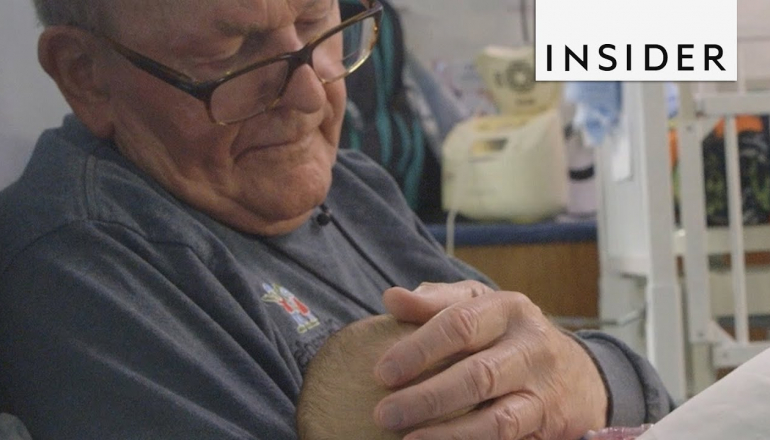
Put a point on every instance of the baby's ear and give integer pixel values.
(74, 59)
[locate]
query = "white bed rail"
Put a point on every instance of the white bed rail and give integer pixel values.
(635, 230)
(698, 114)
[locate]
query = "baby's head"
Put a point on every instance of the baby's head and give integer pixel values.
(340, 391)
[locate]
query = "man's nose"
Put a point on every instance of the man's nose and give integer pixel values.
(304, 92)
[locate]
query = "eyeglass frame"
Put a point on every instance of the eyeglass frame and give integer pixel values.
(204, 90)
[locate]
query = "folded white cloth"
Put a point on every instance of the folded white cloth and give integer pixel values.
(737, 407)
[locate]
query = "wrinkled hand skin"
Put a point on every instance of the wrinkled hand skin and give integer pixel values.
(524, 378)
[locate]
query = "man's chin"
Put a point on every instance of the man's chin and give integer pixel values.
(288, 206)
(261, 220)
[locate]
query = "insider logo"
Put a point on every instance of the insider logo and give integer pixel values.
(632, 40)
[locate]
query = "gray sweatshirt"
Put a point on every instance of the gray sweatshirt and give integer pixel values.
(127, 314)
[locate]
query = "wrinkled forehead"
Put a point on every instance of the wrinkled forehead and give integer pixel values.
(179, 18)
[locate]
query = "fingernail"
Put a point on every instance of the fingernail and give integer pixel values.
(391, 417)
(389, 372)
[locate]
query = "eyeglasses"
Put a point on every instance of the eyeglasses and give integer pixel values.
(257, 88)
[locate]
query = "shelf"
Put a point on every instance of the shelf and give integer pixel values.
(756, 239)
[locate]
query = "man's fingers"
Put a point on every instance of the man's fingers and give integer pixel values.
(465, 327)
(512, 417)
(484, 376)
(428, 299)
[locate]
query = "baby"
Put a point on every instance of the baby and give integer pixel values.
(340, 391)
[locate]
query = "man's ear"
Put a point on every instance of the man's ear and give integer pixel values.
(73, 59)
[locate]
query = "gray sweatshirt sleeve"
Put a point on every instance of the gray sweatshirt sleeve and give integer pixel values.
(636, 393)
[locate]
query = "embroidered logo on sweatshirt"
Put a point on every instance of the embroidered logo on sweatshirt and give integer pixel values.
(302, 315)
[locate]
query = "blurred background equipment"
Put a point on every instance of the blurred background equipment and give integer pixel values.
(510, 166)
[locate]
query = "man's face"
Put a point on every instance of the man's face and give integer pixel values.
(263, 175)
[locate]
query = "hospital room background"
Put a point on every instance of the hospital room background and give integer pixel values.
(587, 217)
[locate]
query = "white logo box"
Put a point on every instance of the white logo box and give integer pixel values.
(635, 40)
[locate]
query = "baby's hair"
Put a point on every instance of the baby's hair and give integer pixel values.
(340, 391)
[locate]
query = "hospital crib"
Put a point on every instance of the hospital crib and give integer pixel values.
(658, 270)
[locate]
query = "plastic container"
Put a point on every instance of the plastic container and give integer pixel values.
(506, 168)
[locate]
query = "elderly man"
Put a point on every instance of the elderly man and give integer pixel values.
(177, 251)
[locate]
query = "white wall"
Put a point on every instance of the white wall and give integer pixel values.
(753, 19)
(29, 100)
(455, 30)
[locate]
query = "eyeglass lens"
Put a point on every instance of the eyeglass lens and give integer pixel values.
(256, 91)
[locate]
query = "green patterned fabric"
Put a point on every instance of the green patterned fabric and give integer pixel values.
(754, 154)
(755, 178)
(379, 121)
